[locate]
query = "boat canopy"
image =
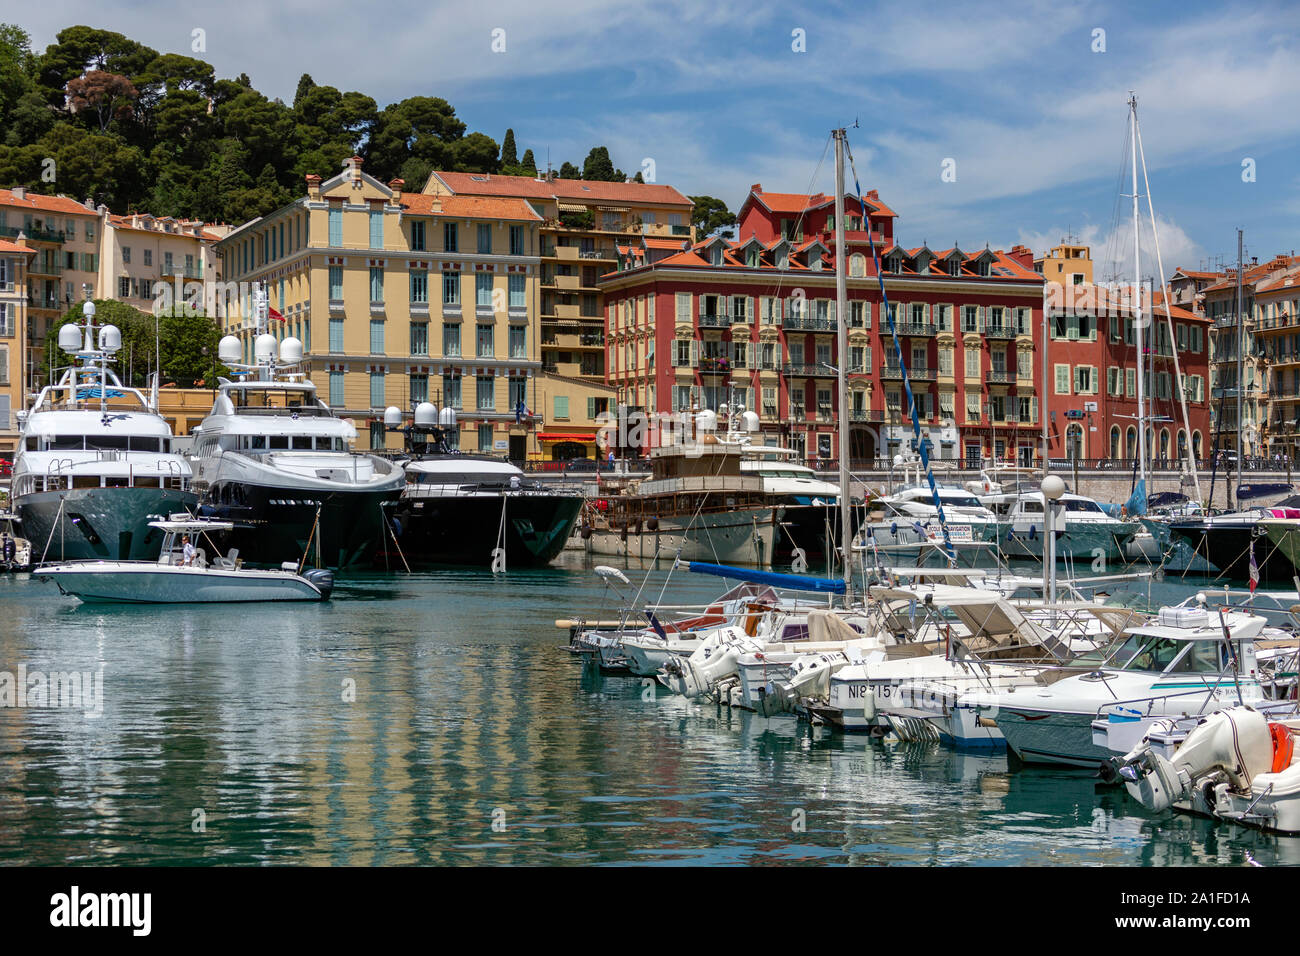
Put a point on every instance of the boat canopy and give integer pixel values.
(789, 582)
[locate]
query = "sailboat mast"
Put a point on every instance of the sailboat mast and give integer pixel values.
(1137, 297)
(1241, 367)
(842, 345)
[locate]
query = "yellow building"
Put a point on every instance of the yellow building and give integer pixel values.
(15, 259)
(587, 226)
(1067, 264)
(401, 298)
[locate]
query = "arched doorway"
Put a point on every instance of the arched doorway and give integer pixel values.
(1182, 444)
(1196, 445)
(1131, 442)
(1114, 441)
(1164, 444)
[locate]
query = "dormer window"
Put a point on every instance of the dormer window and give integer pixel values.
(751, 257)
(715, 254)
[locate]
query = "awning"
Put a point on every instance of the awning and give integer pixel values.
(564, 436)
(571, 207)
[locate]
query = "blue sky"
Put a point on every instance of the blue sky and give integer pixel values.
(1015, 94)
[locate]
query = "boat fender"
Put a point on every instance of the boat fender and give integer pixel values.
(893, 528)
(652, 523)
(636, 525)
(585, 532)
(623, 533)
(1033, 533)
(1283, 746)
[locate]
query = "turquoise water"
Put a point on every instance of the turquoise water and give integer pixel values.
(226, 738)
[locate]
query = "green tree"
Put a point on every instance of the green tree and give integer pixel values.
(528, 164)
(600, 168)
(570, 171)
(80, 49)
(710, 215)
(509, 157)
(422, 127)
(16, 64)
(475, 153)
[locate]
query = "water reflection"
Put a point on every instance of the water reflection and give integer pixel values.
(402, 721)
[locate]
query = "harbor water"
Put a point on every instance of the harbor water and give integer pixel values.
(433, 718)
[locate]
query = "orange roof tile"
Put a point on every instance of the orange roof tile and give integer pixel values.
(652, 243)
(481, 184)
(59, 204)
(7, 246)
(469, 207)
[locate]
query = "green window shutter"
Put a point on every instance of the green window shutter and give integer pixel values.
(591, 407)
(561, 406)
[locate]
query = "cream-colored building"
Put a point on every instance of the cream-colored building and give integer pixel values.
(139, 251)
(400, 298)
(1068, 263)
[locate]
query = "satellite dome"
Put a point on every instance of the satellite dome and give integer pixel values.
(70, 338)
(750, 421)
(447, 417)
(291, 351)
(229, 350)
(392, 416)
(110, 338)
(264, 348)
(426, 414)
(706, 421)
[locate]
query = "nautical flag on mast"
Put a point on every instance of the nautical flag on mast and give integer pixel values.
(1254, 568)
(270, 310)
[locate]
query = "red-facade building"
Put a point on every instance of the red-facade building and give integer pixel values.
(1092, 377)
(752, 321)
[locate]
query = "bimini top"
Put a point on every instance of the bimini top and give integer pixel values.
(187, 524)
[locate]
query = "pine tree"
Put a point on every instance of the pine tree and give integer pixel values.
(508, 155)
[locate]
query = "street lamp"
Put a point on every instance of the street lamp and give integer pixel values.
(1052, 487)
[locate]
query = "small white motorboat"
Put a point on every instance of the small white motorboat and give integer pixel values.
(172, 580)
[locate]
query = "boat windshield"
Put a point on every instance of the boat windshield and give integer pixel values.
(1145, 652)
(960, 501)
(271, 401)
(1082, 504)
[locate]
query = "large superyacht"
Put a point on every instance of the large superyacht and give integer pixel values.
(94, 463)
(275, 460)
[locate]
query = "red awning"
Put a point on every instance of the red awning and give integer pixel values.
(564, 436)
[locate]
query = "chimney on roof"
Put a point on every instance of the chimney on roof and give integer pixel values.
(90, 203)
(396, 186)
(20, 192)
(756, 188)
(313, 186)
(353, 168)
(873, 194)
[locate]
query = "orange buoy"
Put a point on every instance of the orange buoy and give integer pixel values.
(1283, 746)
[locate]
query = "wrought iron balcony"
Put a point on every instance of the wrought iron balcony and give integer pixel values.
(806, 323)
(1000, 331)
(919, 373)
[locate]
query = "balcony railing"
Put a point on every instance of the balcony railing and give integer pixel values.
(36, 235)
(1000, 331)
(710, 365)
(680, 230)
(715, 320)
(867, 415)
(919, 373)
(804, 370)
(917, 328)
(806, 323)
(1000, 376)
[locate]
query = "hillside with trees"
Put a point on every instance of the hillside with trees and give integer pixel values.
(139, 130)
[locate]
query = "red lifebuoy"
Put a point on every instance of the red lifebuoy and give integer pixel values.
(1283, 746)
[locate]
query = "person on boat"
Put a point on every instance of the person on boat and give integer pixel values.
(10, 549)
(187, 551)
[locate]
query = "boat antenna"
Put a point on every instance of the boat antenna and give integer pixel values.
(842, 346)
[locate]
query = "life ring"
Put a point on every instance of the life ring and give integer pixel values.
(1283, 746)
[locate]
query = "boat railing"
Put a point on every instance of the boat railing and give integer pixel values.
(1205, 690)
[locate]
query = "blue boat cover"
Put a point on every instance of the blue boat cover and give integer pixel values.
(792, 582)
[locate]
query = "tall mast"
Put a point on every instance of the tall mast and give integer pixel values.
(842, 344)
(1137, 297)
(1241, 367)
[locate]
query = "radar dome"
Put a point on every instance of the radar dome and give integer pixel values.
(447, 417)
(706, 421)
(426, 414)
(229, 350)
(750, 421)
(110, 338)
(264, 347)
(70, 338)
(392, 416)
(291, 351)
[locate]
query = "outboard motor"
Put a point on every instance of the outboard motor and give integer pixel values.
(323, 579)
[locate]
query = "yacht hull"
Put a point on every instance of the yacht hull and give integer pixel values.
(745, 536)
(1079, 540)
(275, 525)
(1228, 548)
(464, 530)
(84, 524)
